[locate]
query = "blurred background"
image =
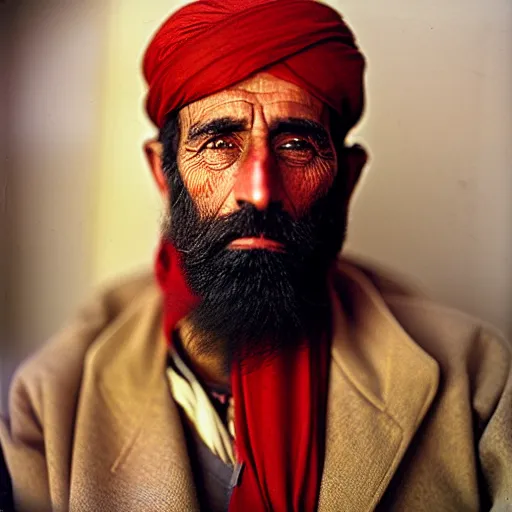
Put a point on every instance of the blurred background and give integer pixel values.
(78, 206)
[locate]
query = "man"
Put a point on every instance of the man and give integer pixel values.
(261, 373)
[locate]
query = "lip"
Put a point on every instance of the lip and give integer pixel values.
(256, 243)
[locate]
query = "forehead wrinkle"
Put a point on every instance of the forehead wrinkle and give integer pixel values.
(185, 119)
(220, 99)
(284, 112)
(301, 102)
(301, 98)
(223, 98)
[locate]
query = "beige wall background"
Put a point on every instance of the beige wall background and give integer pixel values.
(435, 203)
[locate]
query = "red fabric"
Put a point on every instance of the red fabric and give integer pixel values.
(210, 45)
(280, 410)
(178, 299)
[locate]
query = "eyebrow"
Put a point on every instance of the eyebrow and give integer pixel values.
(290, 125)
(215, 127)
(300, 126)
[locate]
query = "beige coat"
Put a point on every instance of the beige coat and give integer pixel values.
(419, 409)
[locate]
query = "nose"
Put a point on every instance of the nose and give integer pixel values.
(257, 181)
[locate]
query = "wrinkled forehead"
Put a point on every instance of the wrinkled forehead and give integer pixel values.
(262, 95)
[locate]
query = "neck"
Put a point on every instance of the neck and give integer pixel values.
(211, 367)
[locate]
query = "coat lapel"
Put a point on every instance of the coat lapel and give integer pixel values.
(381, 386)
(129, 451)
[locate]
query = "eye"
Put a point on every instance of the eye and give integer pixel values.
(296, 151)
(220, 144)
(221, 152)
(296, 145)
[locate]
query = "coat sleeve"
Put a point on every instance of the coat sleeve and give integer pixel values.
(495, 447)
(6, 503)
(22, 442)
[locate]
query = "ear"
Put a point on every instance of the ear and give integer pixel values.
(355, 159)
(154, 151)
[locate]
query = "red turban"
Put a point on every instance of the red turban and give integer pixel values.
(210, 45)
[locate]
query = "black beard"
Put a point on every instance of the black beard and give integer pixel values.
(257, 302)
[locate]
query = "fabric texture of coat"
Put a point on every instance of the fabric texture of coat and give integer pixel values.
(419, 408)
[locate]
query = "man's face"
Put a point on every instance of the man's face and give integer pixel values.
(258, 213)
(261, 141)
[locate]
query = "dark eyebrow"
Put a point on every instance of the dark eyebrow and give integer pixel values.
(215, 127)
(300, 126)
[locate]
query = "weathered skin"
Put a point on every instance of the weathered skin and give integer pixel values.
(258, 163)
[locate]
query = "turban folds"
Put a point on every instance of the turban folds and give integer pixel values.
(210, 45)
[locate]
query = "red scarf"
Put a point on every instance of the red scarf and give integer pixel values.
(280, 410)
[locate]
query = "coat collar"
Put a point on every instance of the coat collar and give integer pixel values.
(381, 385)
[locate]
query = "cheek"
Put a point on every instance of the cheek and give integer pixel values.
(304, 186)
(208, 189)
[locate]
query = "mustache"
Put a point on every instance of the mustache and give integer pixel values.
(213, 235)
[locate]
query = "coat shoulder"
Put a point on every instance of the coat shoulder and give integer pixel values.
(472, 354)
(58, 364)
(467, 349)
(428, 322)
